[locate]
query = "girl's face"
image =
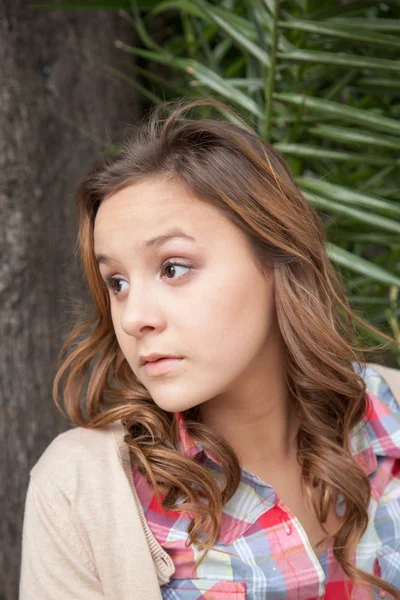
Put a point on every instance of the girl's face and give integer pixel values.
(213, 308)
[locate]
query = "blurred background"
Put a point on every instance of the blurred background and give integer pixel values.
(319, 79)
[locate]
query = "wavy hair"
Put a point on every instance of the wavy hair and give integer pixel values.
(227, 165)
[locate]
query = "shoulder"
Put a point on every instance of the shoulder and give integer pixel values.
(384, 383)
(76, 454)
(379, 433)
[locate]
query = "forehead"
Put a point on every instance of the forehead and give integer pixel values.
(148, 208)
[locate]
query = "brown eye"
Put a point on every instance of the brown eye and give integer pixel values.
(170, 269)
(114, 284)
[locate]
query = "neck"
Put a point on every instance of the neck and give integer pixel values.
(257, 419)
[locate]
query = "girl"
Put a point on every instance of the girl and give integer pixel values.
(226, 443)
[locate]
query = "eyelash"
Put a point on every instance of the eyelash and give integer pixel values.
(108, 283)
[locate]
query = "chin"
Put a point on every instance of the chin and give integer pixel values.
(173, 406)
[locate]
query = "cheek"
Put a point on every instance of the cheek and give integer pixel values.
(124, 340)
(234, 318)
(117, 326)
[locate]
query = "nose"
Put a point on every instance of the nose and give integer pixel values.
(141, 312)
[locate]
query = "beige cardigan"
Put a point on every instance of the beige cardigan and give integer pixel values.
(85, 535)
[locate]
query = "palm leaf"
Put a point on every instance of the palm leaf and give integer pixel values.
(342, 112)
(359, 265)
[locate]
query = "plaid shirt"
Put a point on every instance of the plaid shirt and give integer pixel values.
(267, 553)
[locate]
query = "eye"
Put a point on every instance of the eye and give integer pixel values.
(113, 283)
(170, 267)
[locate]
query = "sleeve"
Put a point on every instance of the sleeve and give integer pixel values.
(55, 563)
(378, 385)
(387, 526)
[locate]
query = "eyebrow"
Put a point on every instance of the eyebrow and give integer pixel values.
(153, 243)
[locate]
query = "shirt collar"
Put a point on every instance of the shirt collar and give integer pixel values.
(187, 445)
(377, 435)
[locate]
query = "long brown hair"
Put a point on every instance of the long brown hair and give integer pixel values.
(228, 166)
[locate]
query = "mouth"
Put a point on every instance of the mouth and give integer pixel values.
(158, 359)
(161, 365)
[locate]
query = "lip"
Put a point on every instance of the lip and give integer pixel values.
(153, 357)
(161, 366)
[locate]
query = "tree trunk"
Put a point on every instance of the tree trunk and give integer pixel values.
(59, 107)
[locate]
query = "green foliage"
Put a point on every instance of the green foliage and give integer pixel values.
(318, 79)
(321, 83)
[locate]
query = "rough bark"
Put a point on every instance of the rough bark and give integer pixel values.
(59, 107)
